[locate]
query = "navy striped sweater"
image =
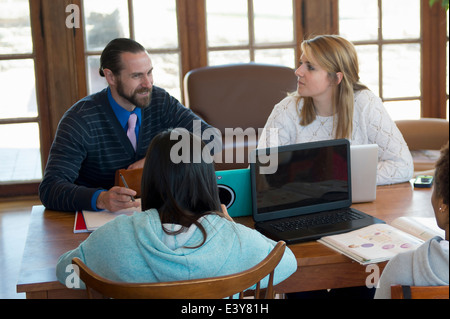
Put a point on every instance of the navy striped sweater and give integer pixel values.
(90, 145)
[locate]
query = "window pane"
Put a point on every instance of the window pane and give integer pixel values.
(358, 19)
(15, 30)
(273, 23)
(403, 110)
(156, 23)
(166, 73)
(369, 66)
(401, 70)
(96, 83)
(20, 158)
(401, 19)
(228, 57)
(227, 22)
(105, 20)
(284, 57)
(19, 97)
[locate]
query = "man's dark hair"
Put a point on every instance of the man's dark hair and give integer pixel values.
(111, 59)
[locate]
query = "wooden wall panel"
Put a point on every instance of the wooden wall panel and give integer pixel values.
(59, 59)
(434, 64)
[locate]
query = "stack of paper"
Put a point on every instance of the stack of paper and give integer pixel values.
(88, 221)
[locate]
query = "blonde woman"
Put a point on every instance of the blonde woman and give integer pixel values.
(331, 103)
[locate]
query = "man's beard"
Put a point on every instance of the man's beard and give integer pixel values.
(138, 101)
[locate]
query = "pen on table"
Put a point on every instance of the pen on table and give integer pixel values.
(126, 185)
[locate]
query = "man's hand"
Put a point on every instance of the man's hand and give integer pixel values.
(116, 198)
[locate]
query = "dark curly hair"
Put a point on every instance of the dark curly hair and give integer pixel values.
(441, 175)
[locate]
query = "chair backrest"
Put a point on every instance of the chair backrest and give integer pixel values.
(237, 96)
(425, 133)
(416, 292)
(208, 288)
(132, 177)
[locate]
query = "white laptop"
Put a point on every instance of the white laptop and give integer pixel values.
(364, 162)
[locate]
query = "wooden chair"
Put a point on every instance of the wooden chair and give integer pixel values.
(416, 292)
(207, 288)
(425, 137)
(132, 177)
(237, 96)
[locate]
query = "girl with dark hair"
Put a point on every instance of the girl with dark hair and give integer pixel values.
(169, 186)
(182, 233)
(428, 264)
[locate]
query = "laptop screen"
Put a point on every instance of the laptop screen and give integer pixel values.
(309, 177)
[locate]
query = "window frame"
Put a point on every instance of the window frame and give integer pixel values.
(252, 46)
(52, 40)
(434, 65)
(380, 42)
(24, 188)
(132, 34)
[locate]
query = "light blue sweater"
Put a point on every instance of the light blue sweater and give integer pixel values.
(136, 249)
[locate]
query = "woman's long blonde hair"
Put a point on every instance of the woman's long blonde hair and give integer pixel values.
(334, 54)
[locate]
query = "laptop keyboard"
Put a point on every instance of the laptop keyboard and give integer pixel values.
(316, 220)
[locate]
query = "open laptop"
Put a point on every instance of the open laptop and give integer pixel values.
(303, 192)
(364, 162)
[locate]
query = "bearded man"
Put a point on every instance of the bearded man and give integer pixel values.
(110, 130)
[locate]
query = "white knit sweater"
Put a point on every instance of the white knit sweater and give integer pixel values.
(371, 125)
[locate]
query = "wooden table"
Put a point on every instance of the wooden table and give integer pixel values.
(51, 234)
